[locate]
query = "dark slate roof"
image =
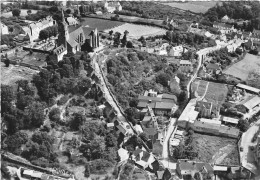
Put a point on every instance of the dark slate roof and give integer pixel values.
(164, 105)
(146, 156)
(74, 28)
(169, 96)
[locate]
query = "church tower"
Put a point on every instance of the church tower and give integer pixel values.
(64, 32)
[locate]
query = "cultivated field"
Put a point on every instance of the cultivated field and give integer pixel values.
(11, 74)
(242, 69)
(23, 13)
(100, 24)
(214, 92)
(214, 149)
(193, 6)
(136, 31)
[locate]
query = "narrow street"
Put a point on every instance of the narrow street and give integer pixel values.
(171, 127)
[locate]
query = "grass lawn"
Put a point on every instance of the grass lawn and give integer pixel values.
(194, 6)
(214, 149)
(100, 24)
(11, 74)
(242, 69)
(136, 31)
(23, 13)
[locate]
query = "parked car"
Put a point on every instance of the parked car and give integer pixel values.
(241, 149)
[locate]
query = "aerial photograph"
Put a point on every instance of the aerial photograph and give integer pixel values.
(130, 90)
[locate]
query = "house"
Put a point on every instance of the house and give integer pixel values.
(168, 97)
(252, 103)
(187, 169)
(72, 21)
(176, 51)
(247, 35)
(123, 127)
(123, 154)
(76, 37)
(185, 66)
(248, 88)
(189, 115)
(227, 28)
(33, 29)
(59, 52)
(230, 120)
(224, 18)
(142, 158)
(215, 129)
(213, 69)
(113, 6)
(4, 29)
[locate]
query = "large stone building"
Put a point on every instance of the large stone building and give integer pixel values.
(113, 6)
(33, 29)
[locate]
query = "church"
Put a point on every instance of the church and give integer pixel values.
(73, 38)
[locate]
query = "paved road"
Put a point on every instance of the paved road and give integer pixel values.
(171, 127)
(246, 156)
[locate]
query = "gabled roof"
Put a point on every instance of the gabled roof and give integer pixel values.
(164, 105)
(213, 66)
(148, 98)
(168, 96)
(87, 31)
(252, 102)
(223, 25)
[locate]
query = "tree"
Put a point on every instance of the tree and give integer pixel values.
(44, 34)
(117, 39)
(163, 79)
(110, 32)
(243, 125)
(35, 114)
(7, 96)
(29, 12)
(77, 121)
(7, 62)
(87, 170)
(129, 44)
(5, 171)
(68, 11)
(16, 12)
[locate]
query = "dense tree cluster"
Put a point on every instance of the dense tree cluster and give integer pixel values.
(125, 74)
(153, 10)
(48, 32)
(236, 10)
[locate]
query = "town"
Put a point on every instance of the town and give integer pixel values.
(130, 90)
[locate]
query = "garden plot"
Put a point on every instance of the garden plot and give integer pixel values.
(136, 31)
(216, 149)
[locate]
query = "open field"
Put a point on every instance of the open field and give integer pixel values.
(242, 69)
(23, 13)
(214, 149)
(136, 31)
(193, 6)
(215, 92)
(100, 24)
(11, 74)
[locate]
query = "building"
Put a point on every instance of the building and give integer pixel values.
(4, 29)
(77, 38)
(204, 108)
(113, 6)
(226, 28)
(215, 129)
(123, 127)
(176, 51)
(252, 103)
(188, 169)
(72, 21)
(230, 120)
(255, 35)
(189, 115)
(33, 29)
(224, 18)
(248, 88)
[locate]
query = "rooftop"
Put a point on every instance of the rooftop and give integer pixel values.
(187, 62)
(250, 104)
(243, 86)
(164, 105)
(223, 25)
(230, 120)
